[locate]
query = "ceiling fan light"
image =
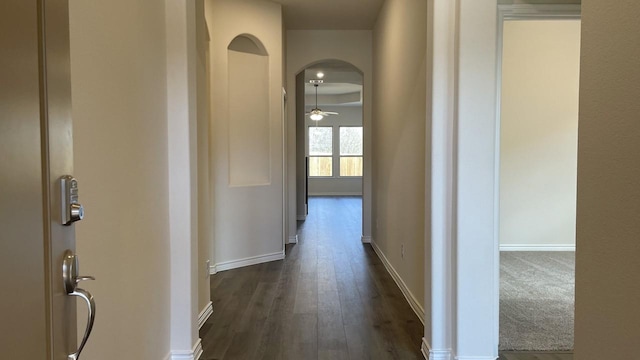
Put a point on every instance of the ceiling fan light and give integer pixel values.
(316, 117)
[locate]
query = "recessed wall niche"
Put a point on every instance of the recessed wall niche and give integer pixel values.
(249, 112)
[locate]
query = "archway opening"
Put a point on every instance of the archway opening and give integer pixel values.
(330, 153)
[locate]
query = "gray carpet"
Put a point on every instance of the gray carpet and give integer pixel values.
(537, 300)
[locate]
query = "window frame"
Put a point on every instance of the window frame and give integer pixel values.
(335, 151)
(332, 156)
(340, 156)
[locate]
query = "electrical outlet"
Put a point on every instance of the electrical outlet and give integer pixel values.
(207, 266)
(402, 251)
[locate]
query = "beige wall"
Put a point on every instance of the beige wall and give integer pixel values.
(539, 130)
(399, 135)
(204, 195)
(304, 48)
(607, 322)
(236, 203)
(118, 76)
(249, 141)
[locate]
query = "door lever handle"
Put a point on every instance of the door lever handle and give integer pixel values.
(91, 307)
(71, 279)
(84, 278)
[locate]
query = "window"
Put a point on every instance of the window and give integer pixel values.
(351, 151)
(347, 157)
(320, 151)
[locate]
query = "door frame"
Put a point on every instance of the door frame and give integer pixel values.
(295, 123)
(511, 12)
(285, 179)
(182, 54)
(464, 271)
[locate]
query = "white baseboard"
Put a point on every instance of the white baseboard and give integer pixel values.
(413, 302)
(331, 193)
(431, 354)
(253, 260)
(538, 247)
(293, 239)
(366, 239)
(447, 354)
(301, 217)
(205, 314)
(197, 350)
(213, 269)
(425, 349)
(193, 354)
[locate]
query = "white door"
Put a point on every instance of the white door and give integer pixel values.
(38, 312)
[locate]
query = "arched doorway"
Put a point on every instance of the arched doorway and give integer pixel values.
(332, 158)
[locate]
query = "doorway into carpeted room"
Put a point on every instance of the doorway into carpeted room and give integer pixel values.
(537, 185)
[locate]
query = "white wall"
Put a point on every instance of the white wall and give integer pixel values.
(607, 322)
(350, 116)
(539, 133)
(235, 202)
(249, 151)
(476, 249)
(304, 48)
(205, 237)
(400, 138)
(181, 53)
(118, 72)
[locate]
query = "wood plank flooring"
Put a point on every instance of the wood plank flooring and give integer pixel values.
(331, 298)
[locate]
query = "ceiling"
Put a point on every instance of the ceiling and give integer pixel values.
(332, 89)
(334, 94)
(335, 71)
(340, 79)
(330, 14)
(339, 92)
(342, 84)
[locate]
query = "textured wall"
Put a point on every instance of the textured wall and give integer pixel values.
(399, 135)
(607, 267)
(304, 48)
(539, 132)
(237, 203)
(204, 183)
(118, 72)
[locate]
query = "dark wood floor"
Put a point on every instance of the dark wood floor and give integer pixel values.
(331, 298)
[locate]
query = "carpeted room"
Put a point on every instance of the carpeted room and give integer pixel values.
(538, 162)
(536, 300)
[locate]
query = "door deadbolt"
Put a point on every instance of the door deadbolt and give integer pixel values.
(71, 210)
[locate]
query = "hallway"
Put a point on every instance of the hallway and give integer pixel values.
(331, 298)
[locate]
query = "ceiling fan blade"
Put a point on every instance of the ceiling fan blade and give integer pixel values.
(330, 113)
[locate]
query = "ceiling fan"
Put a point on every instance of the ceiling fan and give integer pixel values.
(316, 113)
